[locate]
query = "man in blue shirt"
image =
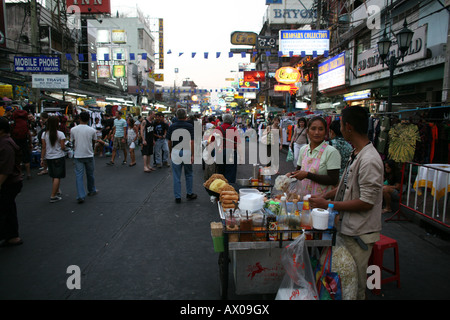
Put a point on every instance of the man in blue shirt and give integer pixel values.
(119, 133)
(182, 154)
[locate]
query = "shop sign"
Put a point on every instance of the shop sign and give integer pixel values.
(37, 64)
(304, 42)
(53, 81)
(292, 12)
(243, 38)
(359, 95)
(332, 72)
(248, 84)
(91, 6)
(255, 76)
(118, 36)
(266, 42)
(288, 75)
(369, 61)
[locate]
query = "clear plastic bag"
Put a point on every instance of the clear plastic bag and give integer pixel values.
(298, 282)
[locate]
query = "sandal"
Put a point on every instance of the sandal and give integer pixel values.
(132, 164)
(42, 172)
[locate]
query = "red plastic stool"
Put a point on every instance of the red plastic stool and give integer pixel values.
(377, 259)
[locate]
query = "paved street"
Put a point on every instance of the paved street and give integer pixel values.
(132, 241)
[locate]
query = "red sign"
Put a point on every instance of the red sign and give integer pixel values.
(90, 6)
(288, 75)
(254, 76)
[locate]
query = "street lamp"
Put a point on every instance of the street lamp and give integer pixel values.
(404, 38)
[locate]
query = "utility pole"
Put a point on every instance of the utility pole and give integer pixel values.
(446, 84)
(35, 48)
(316, 74)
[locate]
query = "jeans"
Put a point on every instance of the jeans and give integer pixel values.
(161, 145)
(176, 172)
(82, 164)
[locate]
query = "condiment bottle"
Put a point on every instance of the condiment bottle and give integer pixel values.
(272, 225)
(306, 217)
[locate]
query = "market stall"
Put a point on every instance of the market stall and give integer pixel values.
(255, 226)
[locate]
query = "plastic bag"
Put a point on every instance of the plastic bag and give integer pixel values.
(298, 283)
(345, 266)
(328, 283)
(290, 156)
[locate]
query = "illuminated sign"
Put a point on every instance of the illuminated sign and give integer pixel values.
(359, 95)
(92, 6)
(287, 75)
(304, 42)
(119, 71)
(282, 87)
(332, 73)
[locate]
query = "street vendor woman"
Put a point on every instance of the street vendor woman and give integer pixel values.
(359, 196)
(318, 163)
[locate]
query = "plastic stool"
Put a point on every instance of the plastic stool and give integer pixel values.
(377, 259)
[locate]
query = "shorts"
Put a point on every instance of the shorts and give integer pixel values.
(147, 150)
(57, 168)
(118, 144)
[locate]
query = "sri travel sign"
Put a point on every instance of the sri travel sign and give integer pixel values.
(51, 81)
(37, 64)
(304, 42)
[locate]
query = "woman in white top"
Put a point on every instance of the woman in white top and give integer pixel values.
(299, 139)
(53, 145)
(132, 135)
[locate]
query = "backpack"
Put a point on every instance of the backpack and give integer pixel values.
(20, 129)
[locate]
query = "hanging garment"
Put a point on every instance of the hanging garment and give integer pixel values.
(382, 141)
(434, 137)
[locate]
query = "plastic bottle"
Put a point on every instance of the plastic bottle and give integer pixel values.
(306, 213)
(327, 234)
(331, 216)
(305, 222)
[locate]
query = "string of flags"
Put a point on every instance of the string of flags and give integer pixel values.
(132, 56)
(238, 90)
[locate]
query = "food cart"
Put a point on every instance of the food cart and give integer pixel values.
(256, 264)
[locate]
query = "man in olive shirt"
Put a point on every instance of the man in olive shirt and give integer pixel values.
(359, 196)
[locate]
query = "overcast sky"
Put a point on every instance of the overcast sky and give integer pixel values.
(199, 26)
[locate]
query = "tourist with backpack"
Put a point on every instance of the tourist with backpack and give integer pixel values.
(22, 137)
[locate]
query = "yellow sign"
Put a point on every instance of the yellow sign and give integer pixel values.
(6, 91)
(157, 76)
(244, 38)
(288, 75)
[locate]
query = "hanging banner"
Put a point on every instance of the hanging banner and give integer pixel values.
(161, 44)
(304, 42)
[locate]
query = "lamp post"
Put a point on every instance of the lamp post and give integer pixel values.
(404, 38)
